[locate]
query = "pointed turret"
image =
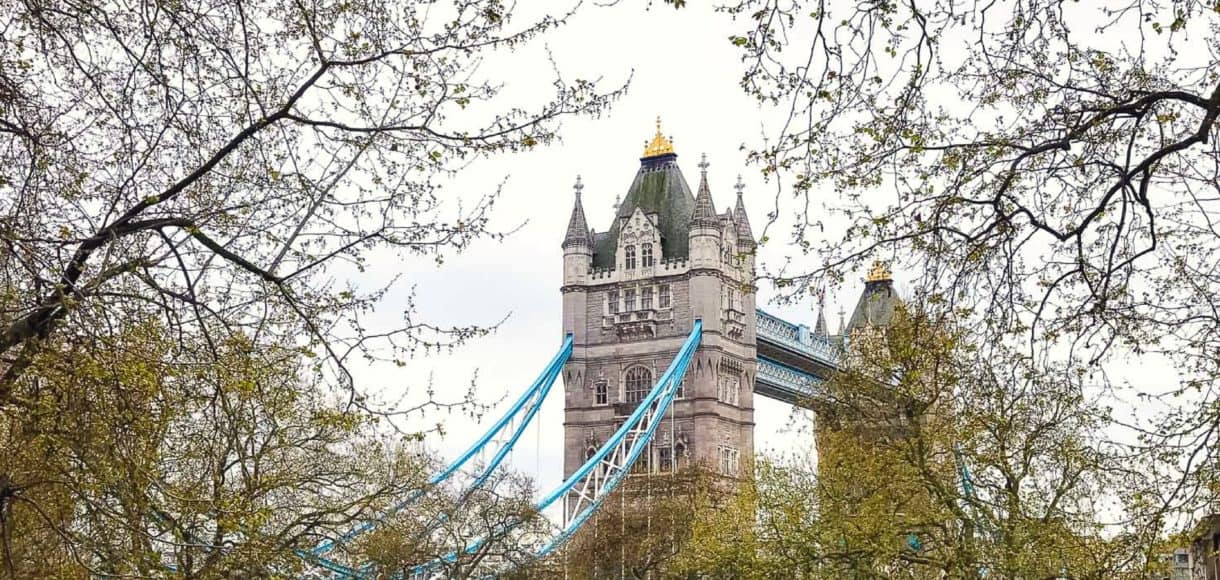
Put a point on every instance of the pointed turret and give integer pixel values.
(877, 302)
(820, 327)
(705, 226)
(577, 243)
(578, 227)
(705, 211)
(745, 237)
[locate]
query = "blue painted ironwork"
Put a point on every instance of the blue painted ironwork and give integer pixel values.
(648, 415)
(604, 470)
(598, 477)
(533, 397)
(788, 383)
(797, 338)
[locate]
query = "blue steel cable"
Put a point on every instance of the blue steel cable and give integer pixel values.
(681, 360)
(482, 478)
(967, 484)
(525, 422)
(544, 382)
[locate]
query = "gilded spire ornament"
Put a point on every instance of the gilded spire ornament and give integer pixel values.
(659, 144)
(880, 272)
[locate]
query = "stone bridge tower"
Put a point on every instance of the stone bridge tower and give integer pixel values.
(630, 296)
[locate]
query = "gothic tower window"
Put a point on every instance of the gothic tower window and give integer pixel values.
(643, 463)
(601, 393)
(679, 454)
(665, 459)
(629, 296)
(646, 255)
(730, 299)
(663, 296)
(639, 382)
(629, 260)
(612, 302)
(728, 389)
(646, 298)
(729, 460)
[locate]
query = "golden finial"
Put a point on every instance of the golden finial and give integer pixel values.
(879, 272)
(659, 145)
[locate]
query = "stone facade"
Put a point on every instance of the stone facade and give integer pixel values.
(628, 321)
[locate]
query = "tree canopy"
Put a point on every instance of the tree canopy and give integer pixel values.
(1046, 168)
(932, 466)
(189, 195)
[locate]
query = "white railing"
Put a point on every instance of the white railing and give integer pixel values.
(797, 337)
(793, 382)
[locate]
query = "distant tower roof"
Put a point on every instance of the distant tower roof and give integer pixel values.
(705, 210)
(578, 228)
(745, 237)
(877, 302)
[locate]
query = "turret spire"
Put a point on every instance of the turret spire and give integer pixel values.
(745, 237)
(578, 227)
(819, 328)
(705, 210)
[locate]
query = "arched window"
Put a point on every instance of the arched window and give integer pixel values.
(646, 255)
(729, 460)
(590, 452)
(639, 382)
(600, 393)
(629, 260)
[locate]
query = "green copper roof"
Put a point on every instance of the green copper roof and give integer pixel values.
(659, 188)
(876, 305)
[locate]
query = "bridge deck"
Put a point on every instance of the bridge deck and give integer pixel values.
(792, 361)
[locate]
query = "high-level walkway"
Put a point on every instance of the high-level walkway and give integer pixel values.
(792, 360)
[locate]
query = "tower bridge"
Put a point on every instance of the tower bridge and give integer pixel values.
(632, 292)
(663, 352)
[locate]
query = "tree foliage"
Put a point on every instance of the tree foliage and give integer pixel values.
(190, 196)
(932, 464)
(125, 460)
(643, 528)
(1049, 168)
(462, 532)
